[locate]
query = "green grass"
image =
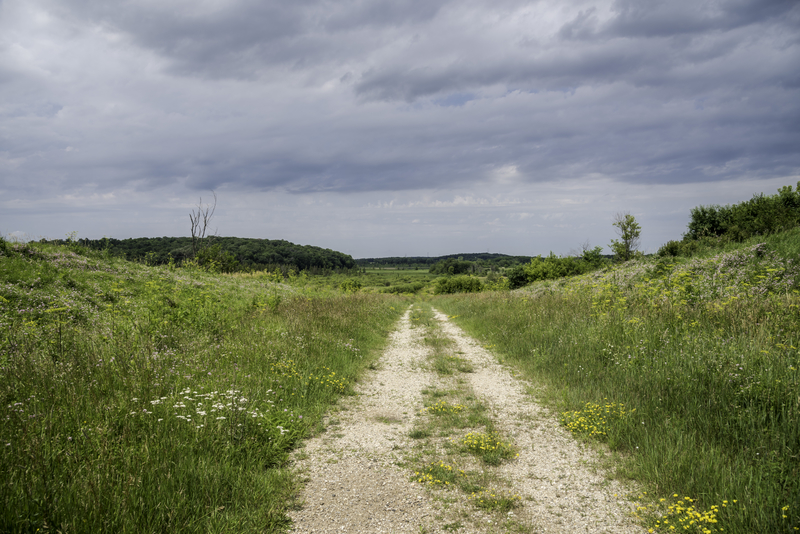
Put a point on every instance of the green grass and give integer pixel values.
(496, 500)
(705, 351)
(453, 428)
(139, 399)
(489, 447)
(390, 281)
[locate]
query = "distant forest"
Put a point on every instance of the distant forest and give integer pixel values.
(251, 254)
(486, 260)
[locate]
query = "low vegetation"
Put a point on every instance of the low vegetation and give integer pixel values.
(139, 399)
(459, 446)
(690, 367)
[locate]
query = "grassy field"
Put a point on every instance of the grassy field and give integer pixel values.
(146, 399)
(389, 281)
(689, 368)
(138, 399)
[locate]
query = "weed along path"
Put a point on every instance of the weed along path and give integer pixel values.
(441, 438)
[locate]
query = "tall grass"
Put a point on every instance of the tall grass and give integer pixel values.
(138, 399)
(703, 354)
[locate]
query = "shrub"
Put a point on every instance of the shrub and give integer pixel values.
(350, 285)
(452, 266)
(678, 248)
(404, 288)
(458, 284)
(516, 277)
(761, 215)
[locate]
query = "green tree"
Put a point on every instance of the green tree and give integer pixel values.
(629, 231)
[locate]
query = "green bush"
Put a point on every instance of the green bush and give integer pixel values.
(674, 248)
(553, 267)
(458, 284)
(351, 285)
(516, 277)
(405, 288)
(212, 259)
(761, 215)
(452, 266)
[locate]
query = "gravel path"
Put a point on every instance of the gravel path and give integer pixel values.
(355, 482)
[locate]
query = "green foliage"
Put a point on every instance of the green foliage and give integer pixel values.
(400, 289)
(704, 355)
(517, 277)
(453, 266)
(761, 215)
(553, 267)
(251, 254)
(351, 285)
(138, 399)
(593, 258)
(483, 261)
(629, 232)
(674, 248)
(213, 259)
(458, 284)
(497, 283)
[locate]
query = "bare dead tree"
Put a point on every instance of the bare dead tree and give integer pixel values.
(200, 219)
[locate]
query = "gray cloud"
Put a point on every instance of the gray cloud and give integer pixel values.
(358, 97)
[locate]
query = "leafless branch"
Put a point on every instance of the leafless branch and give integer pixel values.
(200, 219)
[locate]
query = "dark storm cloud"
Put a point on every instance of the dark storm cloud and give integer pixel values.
(358, 95)
(242, 38)
(643, 43)
(679, 17)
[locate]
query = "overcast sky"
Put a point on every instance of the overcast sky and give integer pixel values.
(393, 127)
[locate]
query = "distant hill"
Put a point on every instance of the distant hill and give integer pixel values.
(250, 253)
(498, 260)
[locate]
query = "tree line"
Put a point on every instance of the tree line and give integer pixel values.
(231, 253)
(479, 261)
(761, 215)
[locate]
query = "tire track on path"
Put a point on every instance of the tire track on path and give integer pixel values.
(355, 485)
(560, 492)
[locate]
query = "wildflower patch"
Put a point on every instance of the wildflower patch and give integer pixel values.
(439, 474)
(489, 447)
(443, 407)
(593, 419)
(683, 515)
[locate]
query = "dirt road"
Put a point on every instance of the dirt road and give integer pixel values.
(360, 473)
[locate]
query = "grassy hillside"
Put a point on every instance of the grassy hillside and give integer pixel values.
(689, 367)
(142, 399)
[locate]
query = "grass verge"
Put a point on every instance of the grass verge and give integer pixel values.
(139, 399)
(690, 367)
